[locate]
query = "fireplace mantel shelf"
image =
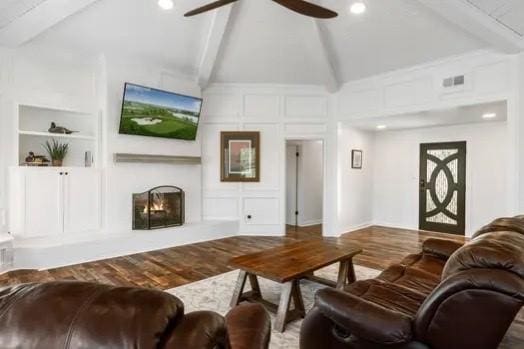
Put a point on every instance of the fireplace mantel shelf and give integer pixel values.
(157, 159)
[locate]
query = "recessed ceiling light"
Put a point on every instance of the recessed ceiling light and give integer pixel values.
(489, 115)
(357, 8)
(381, 127)
(165, 4)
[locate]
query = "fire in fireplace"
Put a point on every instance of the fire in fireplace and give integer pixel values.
(160, 207)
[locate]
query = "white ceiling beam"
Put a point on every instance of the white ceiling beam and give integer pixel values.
(477, 23)
(41, 17)
(217, 31)
(322, 55)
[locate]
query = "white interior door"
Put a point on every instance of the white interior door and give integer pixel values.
(42, 202)
(81, 200)
(291, 184)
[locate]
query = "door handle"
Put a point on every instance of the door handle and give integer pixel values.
(422, 184)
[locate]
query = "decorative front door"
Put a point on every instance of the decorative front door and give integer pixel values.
(442, 190)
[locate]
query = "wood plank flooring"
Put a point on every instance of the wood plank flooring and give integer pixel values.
(168, 268)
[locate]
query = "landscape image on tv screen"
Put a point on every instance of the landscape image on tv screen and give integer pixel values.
(151, 112)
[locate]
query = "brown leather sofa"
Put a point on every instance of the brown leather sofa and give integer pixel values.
(77, 315)
(449, 296)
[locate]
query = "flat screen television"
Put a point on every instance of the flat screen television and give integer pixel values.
(150, 112)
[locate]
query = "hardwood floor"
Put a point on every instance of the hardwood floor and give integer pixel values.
(168, 268)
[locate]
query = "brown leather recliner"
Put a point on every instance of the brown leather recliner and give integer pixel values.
(78, 315)
(450, 296)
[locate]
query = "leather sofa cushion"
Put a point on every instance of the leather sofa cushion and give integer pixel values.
(412, 278)
(83, 315)
(424, 262)
(388, 295)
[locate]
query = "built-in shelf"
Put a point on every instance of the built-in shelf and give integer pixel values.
(156, 159)
(34, 120)
(57, 135)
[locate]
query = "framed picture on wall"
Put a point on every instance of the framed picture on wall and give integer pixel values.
(240, 156)
(356, 159)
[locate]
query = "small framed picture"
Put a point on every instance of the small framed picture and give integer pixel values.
(356, 159)
(240, 156)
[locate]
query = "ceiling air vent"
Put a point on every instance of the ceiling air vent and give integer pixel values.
(453, 81)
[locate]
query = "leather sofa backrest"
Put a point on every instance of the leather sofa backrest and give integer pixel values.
(482, 282)
(502, 250)
(515, 224)
(81, 315)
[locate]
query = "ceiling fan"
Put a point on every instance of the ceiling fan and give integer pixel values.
(299, 6)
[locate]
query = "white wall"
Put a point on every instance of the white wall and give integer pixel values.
(96, 84)
(396, 175)
(355, 187)
(279, 113)
(124, 179)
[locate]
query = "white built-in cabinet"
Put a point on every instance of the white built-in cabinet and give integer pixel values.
(54, 201)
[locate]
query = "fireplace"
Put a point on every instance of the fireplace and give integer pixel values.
(160, 207)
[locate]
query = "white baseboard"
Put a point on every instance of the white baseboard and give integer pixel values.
(40, 256)
(352, 228)
(310, 223)
(395, 225)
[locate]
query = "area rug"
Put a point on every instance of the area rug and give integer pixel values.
(215, 294)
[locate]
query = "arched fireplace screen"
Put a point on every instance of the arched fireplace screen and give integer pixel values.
(160, 207)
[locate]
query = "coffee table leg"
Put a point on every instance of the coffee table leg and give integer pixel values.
(342, 274)
(283, 307)
(351, 272)
(255, 287)
(297, 299)
(239, 288)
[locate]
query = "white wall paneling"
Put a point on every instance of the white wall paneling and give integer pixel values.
(306, 107)
(221, 208)
(488, 78)
(278, 112)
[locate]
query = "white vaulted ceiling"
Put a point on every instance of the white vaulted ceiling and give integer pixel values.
(262, 42)
(509, 13)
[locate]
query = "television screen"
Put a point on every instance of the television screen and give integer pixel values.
(151, 112)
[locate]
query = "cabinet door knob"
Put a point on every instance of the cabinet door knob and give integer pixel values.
(249, 216)
(61, 173)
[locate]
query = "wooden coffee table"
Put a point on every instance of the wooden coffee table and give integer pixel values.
(288, 264)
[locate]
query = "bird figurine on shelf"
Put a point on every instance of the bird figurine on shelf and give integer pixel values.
(59, 129)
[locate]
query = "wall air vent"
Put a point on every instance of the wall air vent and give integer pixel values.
(453, 81)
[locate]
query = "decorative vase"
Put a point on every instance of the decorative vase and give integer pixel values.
(56, 162)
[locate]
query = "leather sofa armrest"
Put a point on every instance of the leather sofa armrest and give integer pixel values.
(199, 329)
(248, 327)
(363, 319)
(440, 247)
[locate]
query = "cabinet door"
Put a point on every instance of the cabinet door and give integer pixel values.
(81, 200)
(42, 203)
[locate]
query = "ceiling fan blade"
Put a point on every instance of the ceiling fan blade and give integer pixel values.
(209, 7)
(307, 8)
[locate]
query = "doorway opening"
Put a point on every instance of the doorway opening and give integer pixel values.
(304, 187)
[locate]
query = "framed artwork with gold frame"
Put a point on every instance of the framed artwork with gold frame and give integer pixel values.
(240, 156)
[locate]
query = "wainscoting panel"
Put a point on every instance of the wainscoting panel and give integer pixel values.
(222, 106)
(408, 93)
(261, 211)
(264, 106)
(220, 208)
(306, 107)
(302, 129)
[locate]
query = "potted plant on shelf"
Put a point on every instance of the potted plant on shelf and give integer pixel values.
(57, 151)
